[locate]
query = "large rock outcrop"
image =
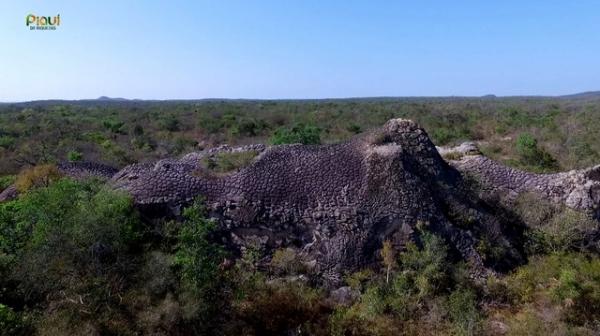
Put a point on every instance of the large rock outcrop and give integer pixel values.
(336, 204)
(576, 189)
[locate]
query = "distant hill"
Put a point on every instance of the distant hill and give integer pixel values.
(136, 102)
(583, 95)
(105, 98)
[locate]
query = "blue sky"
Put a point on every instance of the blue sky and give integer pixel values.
(298, 49)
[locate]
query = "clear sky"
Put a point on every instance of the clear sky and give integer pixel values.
(298, 49)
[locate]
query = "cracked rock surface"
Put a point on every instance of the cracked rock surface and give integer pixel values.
(335, 204)
(576, 189)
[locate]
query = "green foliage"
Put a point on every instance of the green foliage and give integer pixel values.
(385, 308)
(74, 156)
(7, 142)
(38, 176)
(70, 241)
(114, 126)
(169, 123)
(75, 228)
(138, 130)
(354, 128)
(551, 227)
(300, 133)
(142, 130)
(198, 260)
(227, 162)
(463, 310)
(11, 323)
(6, 181)
(572, 279)
(286, 261)
(532, 155)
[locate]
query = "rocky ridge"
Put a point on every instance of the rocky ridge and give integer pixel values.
(336, 204)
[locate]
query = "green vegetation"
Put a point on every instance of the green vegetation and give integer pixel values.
(552, 228)
(74, 156)
(37, 176)
(76, 258)
(532, 156)
(528, 133)
(302, 134)
(227, 162)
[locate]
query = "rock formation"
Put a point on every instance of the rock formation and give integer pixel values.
(576, 189)
(335, 204)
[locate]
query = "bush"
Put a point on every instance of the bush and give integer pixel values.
(278, 308)
(38, 176)
(74, 156)
(11, 323)
(75, 229)
(463, 311)
(302, 134)
(286, 261)
(6, 181)
(227, 162)
(169, 123)
(7, 142)
(552, 228)
(533, 156)
(114, 126)
(198, 259)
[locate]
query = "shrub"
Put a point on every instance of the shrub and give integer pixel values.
(11, 323)
(75, 228)
(169, 123)
(229, 161)
(463, 311)
(6, 181)
(202, 282)
(38, 176)
(279, 307)
(300, 133)
(552, 228)
(74, 156)
(533, 156)
(354, 128)
(388, 256)
(197, 257)
(247, 127)
(114, 126)
(210, 124)
(138, 130)
(358, 280)
(7, 142)
(286, 261)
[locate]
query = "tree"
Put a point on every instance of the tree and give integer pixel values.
(389, 258)
(300, 133)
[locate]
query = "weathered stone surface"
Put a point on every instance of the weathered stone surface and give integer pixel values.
(9, 193)
(577, 189)
(335, 204)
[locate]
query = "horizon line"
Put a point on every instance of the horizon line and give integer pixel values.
(117, 99)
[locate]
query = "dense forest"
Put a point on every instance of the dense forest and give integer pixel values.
(80, 259)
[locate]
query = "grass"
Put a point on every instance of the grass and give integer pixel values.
(224, 163)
